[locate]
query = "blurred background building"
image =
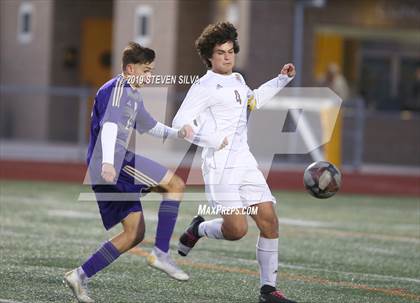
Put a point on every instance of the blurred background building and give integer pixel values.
(55, 54)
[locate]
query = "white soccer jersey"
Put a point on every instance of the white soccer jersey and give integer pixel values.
(217, 107)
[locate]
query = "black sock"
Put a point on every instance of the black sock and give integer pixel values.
(266, 289)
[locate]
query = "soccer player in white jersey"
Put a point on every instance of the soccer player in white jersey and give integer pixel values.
(218, 105)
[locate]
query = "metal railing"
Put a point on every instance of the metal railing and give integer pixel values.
(81, 93)
(357, 138)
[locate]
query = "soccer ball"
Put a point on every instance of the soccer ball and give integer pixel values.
(322, 179)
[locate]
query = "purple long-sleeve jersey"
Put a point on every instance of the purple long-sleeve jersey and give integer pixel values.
(117, 102)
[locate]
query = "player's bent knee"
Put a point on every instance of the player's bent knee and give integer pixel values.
(174, 190)
(235, 233)
(176, 184)
(175, 187)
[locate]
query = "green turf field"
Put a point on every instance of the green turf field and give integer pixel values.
(345, 249)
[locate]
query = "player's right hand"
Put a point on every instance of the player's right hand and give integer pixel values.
(224, 143)
(186, 132)
(108, 172)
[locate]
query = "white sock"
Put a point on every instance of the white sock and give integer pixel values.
(211, 229)
(160, 253)
(268, 260)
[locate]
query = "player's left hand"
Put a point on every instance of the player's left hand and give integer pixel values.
(224, 143)
(289, 70)
(186, 132)
(108, 172)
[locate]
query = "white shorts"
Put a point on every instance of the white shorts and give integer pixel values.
(238, 187)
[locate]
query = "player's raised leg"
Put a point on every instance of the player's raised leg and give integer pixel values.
(132, 234)
(267, 252)
(224, 196)
(230, 227)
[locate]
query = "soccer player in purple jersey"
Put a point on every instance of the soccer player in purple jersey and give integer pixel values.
(119, 176)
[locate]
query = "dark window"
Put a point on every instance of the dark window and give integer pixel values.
(376, 83)
(144, 25)
(26, 23)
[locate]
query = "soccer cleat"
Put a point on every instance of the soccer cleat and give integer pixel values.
(189, 237)
(163, 261)
(78, 286)
(275, 296)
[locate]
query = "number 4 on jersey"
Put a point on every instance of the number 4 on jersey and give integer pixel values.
(238, 97)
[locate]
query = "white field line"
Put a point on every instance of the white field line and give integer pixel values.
(347, 273)
(305, 223)
(149, 216)
(377, 276)
(72, 214)
(8, 301)
(377, 250)
(78, 241)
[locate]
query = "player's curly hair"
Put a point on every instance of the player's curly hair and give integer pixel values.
(214, 34)
(135, 53)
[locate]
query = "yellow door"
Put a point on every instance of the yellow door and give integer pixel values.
(96, 51)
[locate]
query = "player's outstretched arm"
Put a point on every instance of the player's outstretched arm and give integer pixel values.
(214, 140)
(263, 94)
(163, 131)
(145, 123)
